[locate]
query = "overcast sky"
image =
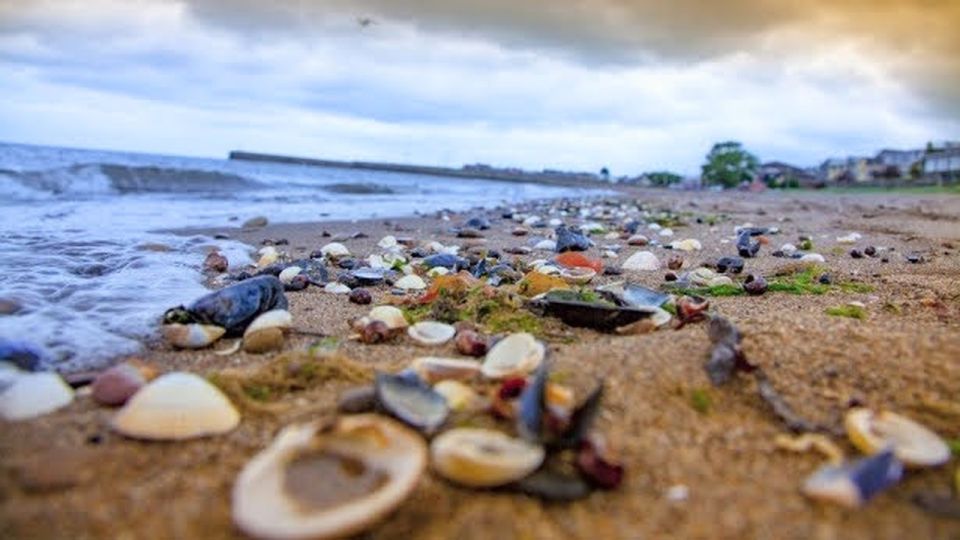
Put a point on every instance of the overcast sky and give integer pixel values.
(634, 85)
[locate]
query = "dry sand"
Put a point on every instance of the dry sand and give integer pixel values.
(66, 475)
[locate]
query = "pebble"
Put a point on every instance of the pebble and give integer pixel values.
(732, 264)
(570, 240)
(117, 384)
(666, 232)
(856, 254)
(336, 288)
(813, 257)
(255, 223)
(360, 296)
(675, 262)
(638, 240)
(215, 263)
(519, 231)
(547, 245)
(870, 251)
(678, 493)
(689, 244)
(915, 258)
(359, 399)
(469, 233)
(755, 285)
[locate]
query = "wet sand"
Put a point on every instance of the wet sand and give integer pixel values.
(66, 475)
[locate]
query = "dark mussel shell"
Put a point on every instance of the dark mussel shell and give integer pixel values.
(236, 306)
(570, 240)
(412, 401)
(596, 315)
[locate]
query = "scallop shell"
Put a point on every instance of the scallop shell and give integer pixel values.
(334, 250)
(433, 369)
(191, 336)
(913, 444)
(412, 282)
(176, 406)
(515, 355)
(328, 484)
(390, 315)
(431, 332)
(641, 261)
(483, 457)
(28, 395)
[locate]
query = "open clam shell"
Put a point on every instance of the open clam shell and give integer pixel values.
(191, 336)
(390, 315)
(577, 275)
(913, 444)
(431, 332)
(328, 484)
(515, 355)
(483, 457)
(856, 482)
(412, 401)
(176, 406)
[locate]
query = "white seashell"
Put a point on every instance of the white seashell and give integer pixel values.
(435, 247)
(289, 491)
(412, 282)
(610, 254)
(433, 369)
(387, 242)
(577, 276)
(452, 250)
(288, 273)
(702, 276)
(268, 256)
(555, 222)
(548, 269)
(376, 261)
(483, 457)
(547, 245)
(690, 244)
(29, 395)
(275, 318)
(719, 280)
(336, 288)
(593, 228)
(334, 250)
(431, 332)
(391, 259)
(641, 261)
(515, 355)
(438, 271)
(532, 220)
(813, 257)
(666, 232)
(390, 315)
(654, 226)
(191, 336)
(788, 248)
(849, 239)
(176, 406)
(913, 444)
(611, 236)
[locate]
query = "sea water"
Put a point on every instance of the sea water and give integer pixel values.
(85, 255)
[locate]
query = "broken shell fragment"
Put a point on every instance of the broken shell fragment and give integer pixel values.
(412, 401)
(432, 369)
(311, 483)
(482, 457)
(577, 275)
(854, 483)
(176, 406)
(28, 395)
(191, 336)
(912, 443)
(514, 355)
(459, 396)
(431, 332)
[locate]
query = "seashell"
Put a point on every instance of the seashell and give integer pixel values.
(438, 271)
(336, 288)
(547, 245)
(275, 318)
(411, 401)
(478, 457)
(641, 261)
(234, 307)
(638, 240)
(334, 250)
(268, 256)
(287, 274)
(312, 483)
(849, 239)
(357, 400)
(28, 395)
(719, 281)
(536, 283)
(666, 231)
(548, 269)
(577, 276)
(433, 369)
(191, 336)
(515, 355)
(117, 384)
(368, 276)
(431, 332)
(912, 443)
(411, 282)
(176, 406)
(689, 244)
(459, 396)
(854, 483)
(265, 340)
(387, 242)
(813, 257)
(391, 315)
(573, 259)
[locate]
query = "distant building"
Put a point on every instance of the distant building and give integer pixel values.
(943, 164)
(779, 174)
(846, 170)
(902, 159)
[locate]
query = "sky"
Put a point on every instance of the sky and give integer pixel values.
(633, 85)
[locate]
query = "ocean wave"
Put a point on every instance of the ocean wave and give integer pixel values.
(359, 188)
(109, 178)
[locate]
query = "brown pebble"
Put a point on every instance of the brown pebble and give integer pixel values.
(9, 307)
(469, 233)
(360, 296)
(675, 262)
(358, 399)
(471, 343)
(755, 285)
(215, 263)
(255, 223)
(375, 332)
(519, 231)
(118, 384)
(669, 276)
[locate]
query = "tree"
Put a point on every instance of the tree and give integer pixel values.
(728, 164)
(662, 178)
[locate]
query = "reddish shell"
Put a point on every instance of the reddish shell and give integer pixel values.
(572, 259)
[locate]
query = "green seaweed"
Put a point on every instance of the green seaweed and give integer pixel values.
(855, 287)
(806, 245)
(257, 392)
(415, 314)
(954, 445)
(716, 290)
(700, 400)
(853, 312)
(801, 282)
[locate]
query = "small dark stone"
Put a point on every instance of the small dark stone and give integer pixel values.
(360, 296)
(755, 285)
(9, 306)
(215, 263)
(612, 270)
(670, 276)
(446, 260)
(255, 223)
(825, 279)
(746, 248)
(885, 260)
(734, 265)
(316, 254)
(571, 240)
(236, 306)
(468, 232)
(25, 356)
(348, 279)
(298, 283)
(349, 263)
(478, 222)
(675, 262)
(359, 399)
(778, 253)
(856, 254)
(915, 258)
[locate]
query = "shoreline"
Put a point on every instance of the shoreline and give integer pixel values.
(725, 458)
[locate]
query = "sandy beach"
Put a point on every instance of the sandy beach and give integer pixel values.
(709, 473)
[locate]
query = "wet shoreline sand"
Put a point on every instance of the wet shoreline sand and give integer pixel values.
(67, 475)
